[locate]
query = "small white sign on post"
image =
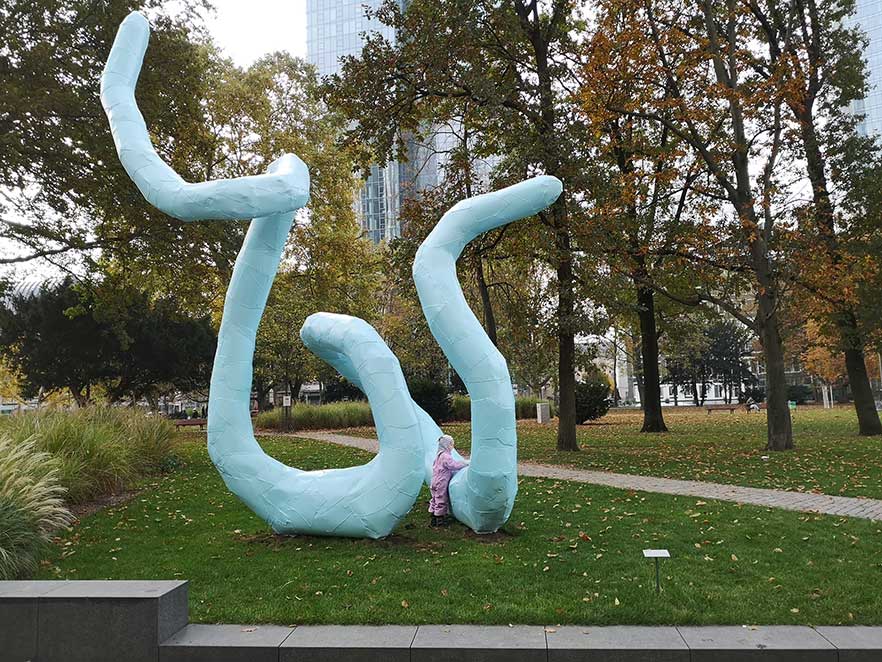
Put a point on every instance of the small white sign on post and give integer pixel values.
(656, 554)
(286, 400)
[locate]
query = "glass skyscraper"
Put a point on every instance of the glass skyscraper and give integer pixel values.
(869, 17)
(334, 28)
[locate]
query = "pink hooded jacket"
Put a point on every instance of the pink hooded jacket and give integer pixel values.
(444, 468)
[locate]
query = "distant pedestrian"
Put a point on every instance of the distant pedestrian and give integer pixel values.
(443, 469)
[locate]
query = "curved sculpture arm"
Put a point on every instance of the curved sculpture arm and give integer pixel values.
(482, 494)
(364, 501)
(279, 191)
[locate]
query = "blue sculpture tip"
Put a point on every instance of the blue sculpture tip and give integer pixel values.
(136, 18)
(551, 186)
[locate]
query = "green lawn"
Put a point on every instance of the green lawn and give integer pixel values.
(830, 456)
(570, 554)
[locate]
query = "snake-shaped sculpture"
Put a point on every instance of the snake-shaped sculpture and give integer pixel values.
(368, 500)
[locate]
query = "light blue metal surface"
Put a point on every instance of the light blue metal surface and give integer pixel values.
(365, 501)
(482, 495)
(369, 500)
(244, 197)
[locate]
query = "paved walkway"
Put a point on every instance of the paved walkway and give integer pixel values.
(801, 501)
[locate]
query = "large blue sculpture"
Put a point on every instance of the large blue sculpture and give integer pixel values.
(369, 500)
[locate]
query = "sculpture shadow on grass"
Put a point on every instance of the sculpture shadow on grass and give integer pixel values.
(368, 500)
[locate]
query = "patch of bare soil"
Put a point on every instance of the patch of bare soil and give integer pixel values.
(82, 510)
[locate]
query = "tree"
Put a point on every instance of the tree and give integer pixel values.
(76, 336)
(728, 351)
(692, 73)
(156, 346)
(822, 358)
(514, 63)
(54, 343)
(811, 51)
(65, 194)
(706, 350)
(638, 216)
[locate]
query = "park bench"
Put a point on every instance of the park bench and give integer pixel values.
(189, 422)
(730, 408)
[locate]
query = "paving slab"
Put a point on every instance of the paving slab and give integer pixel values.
(779, 643)
(615, 643)
(468, 643)
(349, 643)
(225, 643)
(855, 643)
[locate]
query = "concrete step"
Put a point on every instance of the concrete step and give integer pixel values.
(146, 621)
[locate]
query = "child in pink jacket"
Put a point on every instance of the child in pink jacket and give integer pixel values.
(443, 469)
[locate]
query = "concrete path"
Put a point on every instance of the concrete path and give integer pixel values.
(801, 501)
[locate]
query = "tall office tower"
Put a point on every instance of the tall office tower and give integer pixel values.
(334, 28)
(868, 16)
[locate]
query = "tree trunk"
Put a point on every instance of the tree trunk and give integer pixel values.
(859, 381)
(79, 398)
(653, 420)
(695, 393)
(566, 365)
(780, 431)
(615, 368)
(294, 388)
(486, 304)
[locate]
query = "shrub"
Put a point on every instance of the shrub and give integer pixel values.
(31, 505)
(434, 397)
(98, 449)
(317, 417)
(461, 408)
(340, 389)
(525, 408)
(800, 393)
(592, 399)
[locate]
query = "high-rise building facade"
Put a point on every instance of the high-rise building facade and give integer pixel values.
(335, 28)
(868, 16)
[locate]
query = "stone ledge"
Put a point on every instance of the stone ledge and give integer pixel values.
(60, 621)
(135, 621)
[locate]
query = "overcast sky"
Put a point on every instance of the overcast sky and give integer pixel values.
(247, 29)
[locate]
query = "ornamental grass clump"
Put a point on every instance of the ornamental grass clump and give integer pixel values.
(31, 505)
(332, 416)
(98, 449)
